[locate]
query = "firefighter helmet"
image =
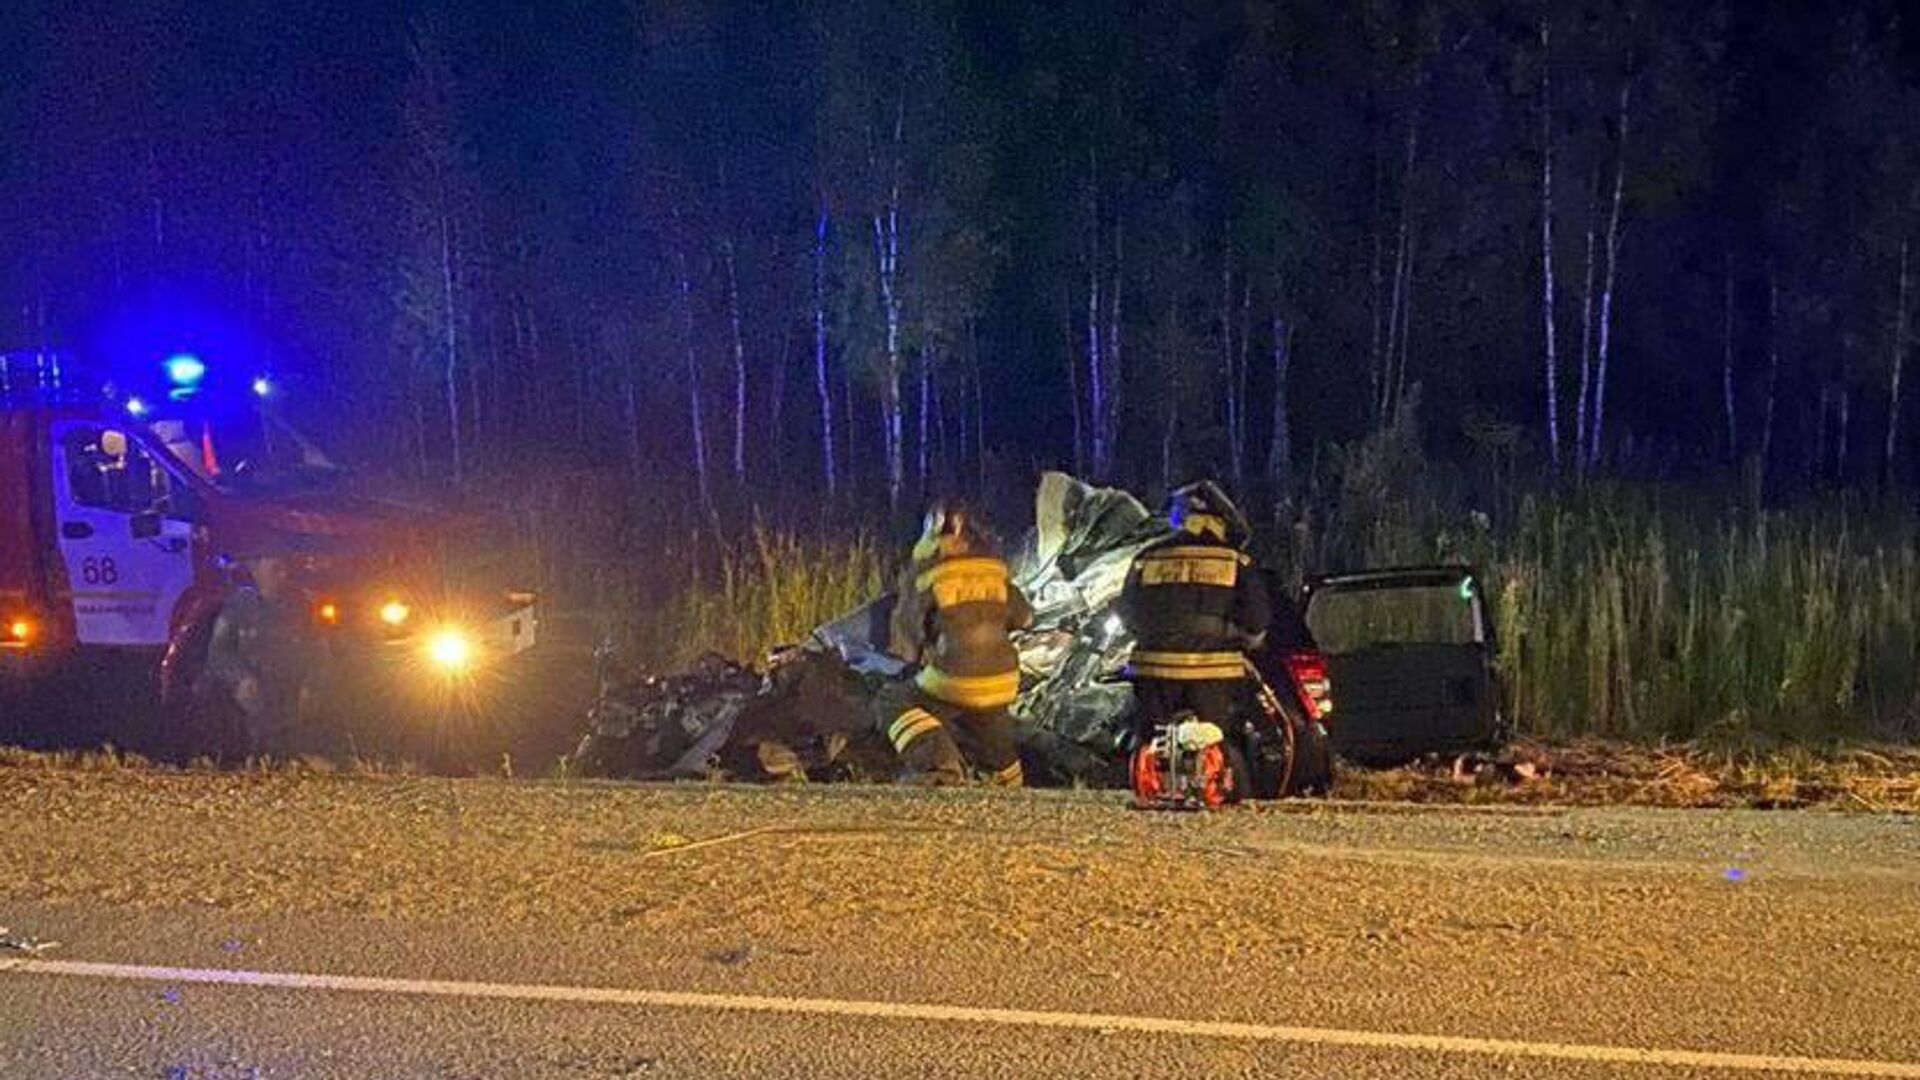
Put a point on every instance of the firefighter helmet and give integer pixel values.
(1202, 508)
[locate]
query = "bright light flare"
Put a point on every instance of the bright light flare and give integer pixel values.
(136, 407)
(394, 613)
(450, 650)
(328, 612)
(263, 387)
(185, 369)
(19, 631)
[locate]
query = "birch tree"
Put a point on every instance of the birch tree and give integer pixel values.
(435, 274)
(1551, 360)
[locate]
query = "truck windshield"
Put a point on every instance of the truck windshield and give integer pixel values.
(248, 451)
(1347, 620)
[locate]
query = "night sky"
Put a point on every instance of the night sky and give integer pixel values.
(325, 190)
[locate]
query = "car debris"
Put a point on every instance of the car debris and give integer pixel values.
(808, 716)
(14, 942)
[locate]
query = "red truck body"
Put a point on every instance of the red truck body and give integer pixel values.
(113, 538)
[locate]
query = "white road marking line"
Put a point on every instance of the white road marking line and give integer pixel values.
(965, 1014)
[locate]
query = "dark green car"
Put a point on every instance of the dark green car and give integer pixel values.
(1410, 653)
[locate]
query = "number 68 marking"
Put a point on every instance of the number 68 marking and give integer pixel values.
(99, 571)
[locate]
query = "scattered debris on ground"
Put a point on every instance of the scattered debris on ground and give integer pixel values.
(1876, 779)
(14, 942)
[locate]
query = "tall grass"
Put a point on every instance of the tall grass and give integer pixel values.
(1651, 612)
(1649, 622)
(772, 589)
(1637, 611)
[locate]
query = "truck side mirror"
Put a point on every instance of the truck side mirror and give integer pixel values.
(145, 524)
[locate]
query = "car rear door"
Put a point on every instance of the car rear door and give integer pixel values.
(1409, 653)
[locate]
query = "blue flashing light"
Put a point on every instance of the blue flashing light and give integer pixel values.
(262, 387)
(185, 369)
(136, 407)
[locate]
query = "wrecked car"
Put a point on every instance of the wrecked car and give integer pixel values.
(1406, 653)
(810, 716)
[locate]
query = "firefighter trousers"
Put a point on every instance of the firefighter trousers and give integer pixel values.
(937, 740)
(1156, 701)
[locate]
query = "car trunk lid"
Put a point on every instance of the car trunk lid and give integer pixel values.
(1409, 652)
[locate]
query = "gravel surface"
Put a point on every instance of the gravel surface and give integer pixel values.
(1784, 933)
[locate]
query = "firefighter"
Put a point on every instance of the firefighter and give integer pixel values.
(1195, 605)
(952, 615)
(267, 659)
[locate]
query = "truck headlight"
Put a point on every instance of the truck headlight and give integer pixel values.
(394, 613)
(450, 649)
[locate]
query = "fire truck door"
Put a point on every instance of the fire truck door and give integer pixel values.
(128, 560)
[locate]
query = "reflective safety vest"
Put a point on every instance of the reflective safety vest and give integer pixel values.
(955, 614)
(1194, 605)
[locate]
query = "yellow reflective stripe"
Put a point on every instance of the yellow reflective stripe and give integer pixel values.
(971, 580)
(1199, 551)
(910, 726)
(1188, 666)
(1011, 776)
(1189, 659)
(1214, 566)
(970, 691)
(1185, 674)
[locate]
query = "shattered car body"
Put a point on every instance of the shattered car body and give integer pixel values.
(1072, 708)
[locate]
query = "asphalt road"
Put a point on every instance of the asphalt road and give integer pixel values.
(348, 927)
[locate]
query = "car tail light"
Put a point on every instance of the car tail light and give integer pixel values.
(1311, 684)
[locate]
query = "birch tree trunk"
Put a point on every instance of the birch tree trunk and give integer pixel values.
(1552, 359)
(886, 247)
(1096, 370)
(821, 378)
(1396, 314)
(696, 419)
(778, 409)
(1374, 275)
(979, 408)
(886, 237)
(1773, 376)
(1581, 418)
(1726, 374)
(1899, 366)
(1385, 389)
(1072, 357)
(923, 462)
(1613, 266)
(1841, 443)
(1406, 327)
(1114, 382)
(1229, 361)
(739, 365)
(1280, 450)
(450, 309)
(1243, 391)
(636, 455)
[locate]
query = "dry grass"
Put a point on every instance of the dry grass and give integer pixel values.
(1592, 772)
(1588, 772)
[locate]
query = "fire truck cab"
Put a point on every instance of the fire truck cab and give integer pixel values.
(125, 518)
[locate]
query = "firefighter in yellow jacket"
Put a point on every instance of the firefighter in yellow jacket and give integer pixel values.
(1195, 605)
(952, 615)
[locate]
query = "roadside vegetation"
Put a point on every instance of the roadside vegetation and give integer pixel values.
(1648, 612)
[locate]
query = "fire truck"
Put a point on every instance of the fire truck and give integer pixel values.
(127, 510)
